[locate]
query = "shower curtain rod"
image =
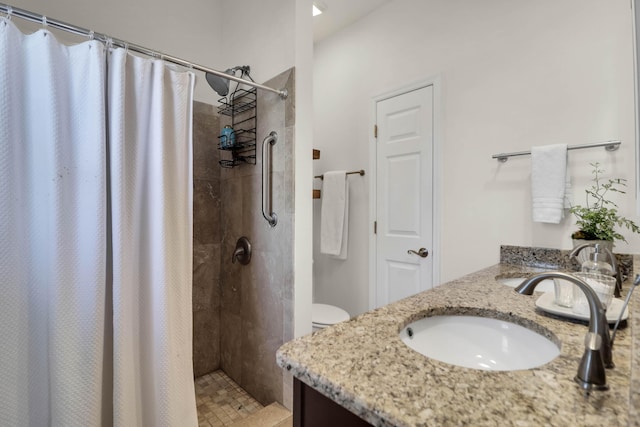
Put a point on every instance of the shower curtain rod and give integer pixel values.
(35, 17)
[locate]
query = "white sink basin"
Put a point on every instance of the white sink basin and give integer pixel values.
(544, 286)
(479, 343)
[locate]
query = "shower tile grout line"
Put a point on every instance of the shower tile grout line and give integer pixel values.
(221, 402)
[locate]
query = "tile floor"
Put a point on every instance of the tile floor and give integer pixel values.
(221, 402)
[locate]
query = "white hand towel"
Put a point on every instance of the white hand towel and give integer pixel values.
(334, 214)
(548, 182)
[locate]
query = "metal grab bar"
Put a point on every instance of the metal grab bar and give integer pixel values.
(267, 209)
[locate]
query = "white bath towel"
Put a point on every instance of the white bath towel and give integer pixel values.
(334, 214)
(548, 182)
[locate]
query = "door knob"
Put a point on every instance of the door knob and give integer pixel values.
(422, 252)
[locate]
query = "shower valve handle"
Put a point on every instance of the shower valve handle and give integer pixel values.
(242, 252)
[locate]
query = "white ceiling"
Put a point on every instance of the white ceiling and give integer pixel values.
(341, 13)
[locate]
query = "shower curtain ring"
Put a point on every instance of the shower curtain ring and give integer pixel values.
(91, 34)
(44, 21)
(9, 12)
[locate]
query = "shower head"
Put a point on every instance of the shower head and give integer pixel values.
(220, 84)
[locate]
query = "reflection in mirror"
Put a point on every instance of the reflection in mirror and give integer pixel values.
(636, 40)
(512, 75)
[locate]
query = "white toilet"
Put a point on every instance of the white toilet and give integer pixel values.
(323, 315)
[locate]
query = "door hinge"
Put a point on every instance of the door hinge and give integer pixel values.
(375, 131)
(375, 227)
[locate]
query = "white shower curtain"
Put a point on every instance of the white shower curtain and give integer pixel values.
(151, 177)
(95, 236)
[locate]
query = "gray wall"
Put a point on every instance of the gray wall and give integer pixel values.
(243, 313)
(206, 240)
(257, 299)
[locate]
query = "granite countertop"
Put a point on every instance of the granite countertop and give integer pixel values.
(364, 366)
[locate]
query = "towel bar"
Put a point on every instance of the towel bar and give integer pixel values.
(608, 145)
(360, 172)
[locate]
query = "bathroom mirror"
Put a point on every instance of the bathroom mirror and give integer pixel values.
(636, 22)
(513, 74)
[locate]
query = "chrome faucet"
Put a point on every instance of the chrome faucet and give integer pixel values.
(597, 353)
(614, 264)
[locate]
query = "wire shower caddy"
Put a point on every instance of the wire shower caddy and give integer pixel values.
(241, 107)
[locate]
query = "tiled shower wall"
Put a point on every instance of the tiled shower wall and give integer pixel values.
(206, 240)
(257, 299)
(242, 314)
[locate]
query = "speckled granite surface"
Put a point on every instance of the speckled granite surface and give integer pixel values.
(536, 257)
(363, 365)
(553, 258)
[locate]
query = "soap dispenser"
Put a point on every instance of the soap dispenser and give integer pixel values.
(596, 262)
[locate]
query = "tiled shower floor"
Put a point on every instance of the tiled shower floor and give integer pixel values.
(221, 402)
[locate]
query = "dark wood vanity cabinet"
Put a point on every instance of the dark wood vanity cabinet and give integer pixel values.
(312, 409)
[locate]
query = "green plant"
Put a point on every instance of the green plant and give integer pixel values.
(598, 218)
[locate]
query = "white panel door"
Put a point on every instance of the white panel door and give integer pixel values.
(404, 192)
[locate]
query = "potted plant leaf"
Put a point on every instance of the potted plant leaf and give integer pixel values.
(599, 220)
